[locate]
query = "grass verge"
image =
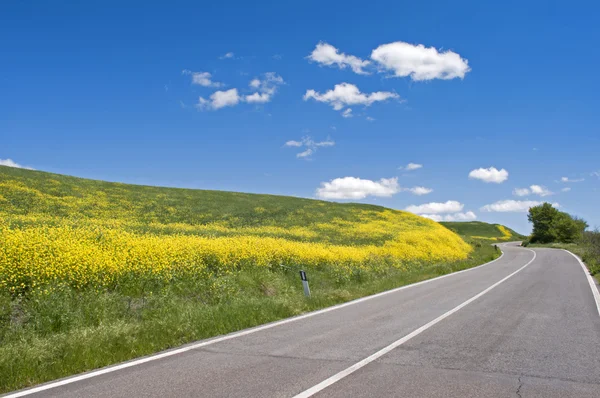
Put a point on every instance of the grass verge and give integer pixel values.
(47, 337)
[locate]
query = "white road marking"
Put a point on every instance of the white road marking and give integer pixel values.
(595, 291)
(166, 354)
(337, 377)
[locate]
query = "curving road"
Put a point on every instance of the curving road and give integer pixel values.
(526, 325)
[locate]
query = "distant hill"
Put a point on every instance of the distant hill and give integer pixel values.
(482, 230)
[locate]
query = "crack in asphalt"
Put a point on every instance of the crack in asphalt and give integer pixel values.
(518, 392)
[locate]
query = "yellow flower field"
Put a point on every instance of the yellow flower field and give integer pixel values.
(55, 231)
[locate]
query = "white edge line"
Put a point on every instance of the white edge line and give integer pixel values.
(595, 291)
(169, 353)
(338, 376)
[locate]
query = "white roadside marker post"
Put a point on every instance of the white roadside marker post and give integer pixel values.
(305, 283)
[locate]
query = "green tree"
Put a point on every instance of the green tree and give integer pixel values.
(551, 225)
(543, 217)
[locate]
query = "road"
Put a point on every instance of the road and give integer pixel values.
(526, 325)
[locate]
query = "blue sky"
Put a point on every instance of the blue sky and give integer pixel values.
(112, 91)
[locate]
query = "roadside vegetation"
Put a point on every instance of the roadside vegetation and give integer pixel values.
(557, 229)
(483, 231)
(93, 273)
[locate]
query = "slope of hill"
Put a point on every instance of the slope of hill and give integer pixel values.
(83, 232)
(482, 230)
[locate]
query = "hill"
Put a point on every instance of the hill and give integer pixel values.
(93, 233)
(482, 230)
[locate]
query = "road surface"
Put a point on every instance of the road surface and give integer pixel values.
(526, 325)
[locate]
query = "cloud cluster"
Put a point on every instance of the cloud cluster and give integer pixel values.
(220, 99)
(444, 211)
(532, 190)
(357, 188)
(420, 62)
(468, 216)
(11, 163)
(346, 95)
(411, 166)
(451, 206)
(267, 87)
(419, 190)
(491, 174)
(514, 206)
(265, 90)
(328, 55)
(399, 58)
(310, 146)
(203, 79)
(567, 179)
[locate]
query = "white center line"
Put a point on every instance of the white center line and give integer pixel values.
(339, 376)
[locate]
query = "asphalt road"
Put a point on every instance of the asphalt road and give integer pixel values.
(526, 325)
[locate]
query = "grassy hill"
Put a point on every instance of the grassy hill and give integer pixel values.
(93, 272)
(482, 230)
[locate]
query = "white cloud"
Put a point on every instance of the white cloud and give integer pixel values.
(540, 190)
(347, 112)
(305, 154)
(267, 87)
(489, 175)
(567, 179)
(310, 146)
(420, 191)
(293, 143)
(411, 166)
(595, 173)
(357, 188)
(532, 190)
(468, 216)
(202, 78)
(329, 142)
(227, 56)
(451, 206)
(420, 62)
(257, 98)
(328, 55)
(369, 118)
(220, 99)
(521, 206)
(566, 189)
(521, 191)
(346, 94)
(11, 163)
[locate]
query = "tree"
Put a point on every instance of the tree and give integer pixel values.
(543, 217)
(551, 225)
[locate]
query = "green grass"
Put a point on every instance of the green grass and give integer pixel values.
(24, 192)
(480, 229)
(75, 331)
